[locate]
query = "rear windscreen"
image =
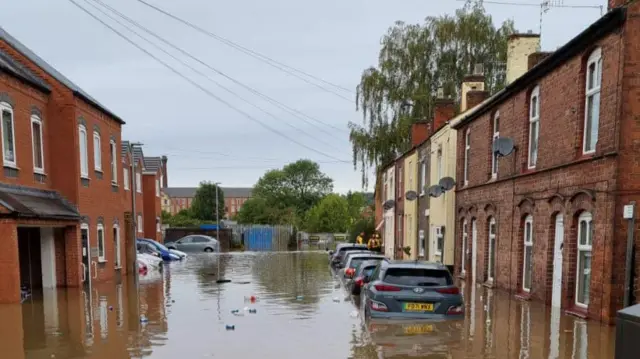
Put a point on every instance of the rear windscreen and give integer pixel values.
(345, 249)
(419, 277)
(368, 270)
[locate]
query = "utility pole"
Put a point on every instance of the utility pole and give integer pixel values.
(134, 215)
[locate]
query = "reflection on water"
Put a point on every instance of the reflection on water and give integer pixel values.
(184, 314)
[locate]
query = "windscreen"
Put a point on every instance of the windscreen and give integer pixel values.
(355, 262)
(366, 272)
(419, 277)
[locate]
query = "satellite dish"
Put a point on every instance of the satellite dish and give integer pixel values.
(388, 204)
(411, 195)
(503, 146)
(447, 183)
(435, 191)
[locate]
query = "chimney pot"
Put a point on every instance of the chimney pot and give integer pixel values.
(165, 176)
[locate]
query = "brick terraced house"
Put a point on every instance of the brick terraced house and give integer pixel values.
(62, 185)
(182, 197)
(545, 220)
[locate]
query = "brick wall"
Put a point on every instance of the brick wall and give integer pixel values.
(563, 182)
(9, 263)
(152, 209)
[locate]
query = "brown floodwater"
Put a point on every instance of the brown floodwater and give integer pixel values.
(185, 313)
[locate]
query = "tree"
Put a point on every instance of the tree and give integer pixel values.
(357, 202)
(365, 225)
(291, 191)
(166, 216)
(204, 202)
(330, 215)
(414, 62)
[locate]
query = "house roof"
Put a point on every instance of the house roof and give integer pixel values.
(190, 192)
(10, 65)
(152, 163)
(31, 202)
(605, 25)
(23, 49)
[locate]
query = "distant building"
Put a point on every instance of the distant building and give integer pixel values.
(181, 198)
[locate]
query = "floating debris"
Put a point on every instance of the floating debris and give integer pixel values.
(300, 297)
(253, 311)
(143, 319)
(336, 299)
(230, 327)
(354, 314)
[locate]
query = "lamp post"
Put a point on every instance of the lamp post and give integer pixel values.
(218, 234)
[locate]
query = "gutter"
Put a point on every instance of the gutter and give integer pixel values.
(95, 104)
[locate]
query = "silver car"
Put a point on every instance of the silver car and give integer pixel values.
(412, 290)
(195, 243)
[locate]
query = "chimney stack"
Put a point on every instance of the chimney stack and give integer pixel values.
(420, 131)
(473, 82)
(616, 3)
(445, 110)
(165, 177)
(519, 47)
(474, 98)
(536, 58)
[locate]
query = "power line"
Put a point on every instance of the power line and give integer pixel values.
(200, 87)
(209, 78)
(226, 156)
(532, 4)
(292, 111)
(266, 59)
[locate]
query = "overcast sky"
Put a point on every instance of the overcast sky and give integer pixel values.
(203, 138)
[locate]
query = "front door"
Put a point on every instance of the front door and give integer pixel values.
(474, 251)
(86, 258)
(556, 296)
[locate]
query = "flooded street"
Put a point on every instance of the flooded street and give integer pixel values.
(185, 313)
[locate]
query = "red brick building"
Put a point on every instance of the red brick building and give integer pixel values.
(152, 178)
(182, 197)
(545, 221)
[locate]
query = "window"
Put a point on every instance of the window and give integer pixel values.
(467, 149)
(84, 157)
(233, 208)
(138, 182)
(528, 254)
(125, 175)
(592, 101)
(162, 181)
(101, 250)
(97, 153)
(8, 136)
(116, 239)
(400, 220)
(492, 250)
(585, 242)
(439, 240)
(139, 223)
(534, 126)
(496, 135)
(114, 166)
(410, 175)
(157, 187)
(465, 236)
(439, 162)
(422, 181)
(36, 140)
(158, 227)
(400, 186)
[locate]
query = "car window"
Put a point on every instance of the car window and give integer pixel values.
(367, 271)
(185, 240)
(422, 277)
(200, 239)
(375, 273)
(355, 261)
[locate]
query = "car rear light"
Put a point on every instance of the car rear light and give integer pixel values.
(378, 307)
(359, 281)
(349, 272)
(450, 290)
(455, 310)
(387, 288)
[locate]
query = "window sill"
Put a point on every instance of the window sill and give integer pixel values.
(102, 261)
(577, 311)
(118, 268)
(489, 284)
(85, 177)
(524, 296)
(11, 165)
(39, 172)
(97, 170)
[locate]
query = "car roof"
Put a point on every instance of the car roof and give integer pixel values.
(366, 254)
(414, 264)
(351, 245)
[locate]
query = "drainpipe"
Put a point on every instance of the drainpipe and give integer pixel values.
(132, 165)
(629, 214)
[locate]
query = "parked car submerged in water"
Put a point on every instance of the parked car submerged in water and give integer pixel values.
(362, 271)
(412, 290)
(353, 259)
(195, 243)
(164, 251)
(337, 256)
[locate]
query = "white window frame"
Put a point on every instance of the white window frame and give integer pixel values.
(139, 223)
(491, 253)
(157, 187)
(588, 247)
(410, 175)
(102, 257)
(114, 162)
(117, 247)
(534, 124)
(423, 177)
(496, 135)
(439, 162)
(138, 182)
(467, 150)
(465, 238)
(438, 236)
(97, 151)
(9, 163)
(35, 119)
(125, 176)
(594, 59)
(527, 243)
(161, 181)
(158, 226)
(84, 155)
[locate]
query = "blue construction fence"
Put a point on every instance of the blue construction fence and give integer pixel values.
(261, 238)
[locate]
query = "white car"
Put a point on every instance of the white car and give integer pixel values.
(152, 262)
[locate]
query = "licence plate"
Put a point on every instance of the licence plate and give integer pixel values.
(418, 329)
(418, 307)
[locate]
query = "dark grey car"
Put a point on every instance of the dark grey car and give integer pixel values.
(337, 256)
(412, 290)
(195, 243)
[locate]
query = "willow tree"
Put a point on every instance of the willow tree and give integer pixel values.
(415, 61)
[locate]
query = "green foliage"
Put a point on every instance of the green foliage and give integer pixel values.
(284, 196)
(414, 62)
(166, 216)
(204, 202)
(330, 215)
(357, 203)
(365, 225)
